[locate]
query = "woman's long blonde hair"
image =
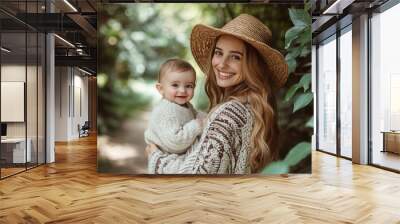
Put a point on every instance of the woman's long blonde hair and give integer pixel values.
(257, 91)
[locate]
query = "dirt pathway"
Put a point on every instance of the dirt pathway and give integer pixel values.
(124, 153)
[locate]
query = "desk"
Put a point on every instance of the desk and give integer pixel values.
(391, 141)
(16, 147)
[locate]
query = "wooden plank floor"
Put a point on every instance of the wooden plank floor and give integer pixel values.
(71, 191)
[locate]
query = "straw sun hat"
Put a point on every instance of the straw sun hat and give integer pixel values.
(250, 30)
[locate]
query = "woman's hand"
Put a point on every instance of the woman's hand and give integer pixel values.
(150, 148)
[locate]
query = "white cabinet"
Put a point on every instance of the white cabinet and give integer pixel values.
(18, 149)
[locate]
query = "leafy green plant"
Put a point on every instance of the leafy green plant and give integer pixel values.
(296, 154)
(298, 46)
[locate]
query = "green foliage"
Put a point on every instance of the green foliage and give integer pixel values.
(300, 121)
(305, 81)
(297, 43)
(310, 123)
(278, 167)
(292, 34)
(299, 152)
(300, 17)
(302, 101)
(121, 100)
(292, 90)
(200, 98)
(296, 154)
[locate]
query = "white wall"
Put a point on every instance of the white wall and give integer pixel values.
(61, 103)
(71, 102)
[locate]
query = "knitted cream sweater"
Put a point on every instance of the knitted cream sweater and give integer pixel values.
(172, 127)
(223, 147)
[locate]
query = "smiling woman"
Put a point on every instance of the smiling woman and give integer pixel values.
(241, 132)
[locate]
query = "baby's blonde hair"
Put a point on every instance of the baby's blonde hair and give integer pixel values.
(174, 64)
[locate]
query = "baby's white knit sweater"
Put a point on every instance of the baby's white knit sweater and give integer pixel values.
(172, 127)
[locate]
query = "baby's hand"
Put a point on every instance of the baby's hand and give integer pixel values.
(201, 121)
(201, 115)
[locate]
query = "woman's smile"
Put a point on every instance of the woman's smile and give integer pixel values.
(225, 75)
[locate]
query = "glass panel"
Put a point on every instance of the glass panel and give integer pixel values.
(327, 96)
(14, 146)
(41, 99)
(31, 86)
(346, 94)
(385, 84)
(22, 76)
(31, 97)
(13, 86)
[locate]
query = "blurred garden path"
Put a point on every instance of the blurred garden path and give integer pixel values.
(124, 151)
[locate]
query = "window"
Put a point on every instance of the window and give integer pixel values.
(327, 95)
(385, 88)
(346, 75)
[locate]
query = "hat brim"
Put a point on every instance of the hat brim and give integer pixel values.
(202, 41)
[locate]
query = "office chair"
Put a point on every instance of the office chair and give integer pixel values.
(84, 130)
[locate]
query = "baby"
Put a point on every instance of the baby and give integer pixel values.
(174, 123)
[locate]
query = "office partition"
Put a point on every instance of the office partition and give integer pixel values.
(22, 77)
